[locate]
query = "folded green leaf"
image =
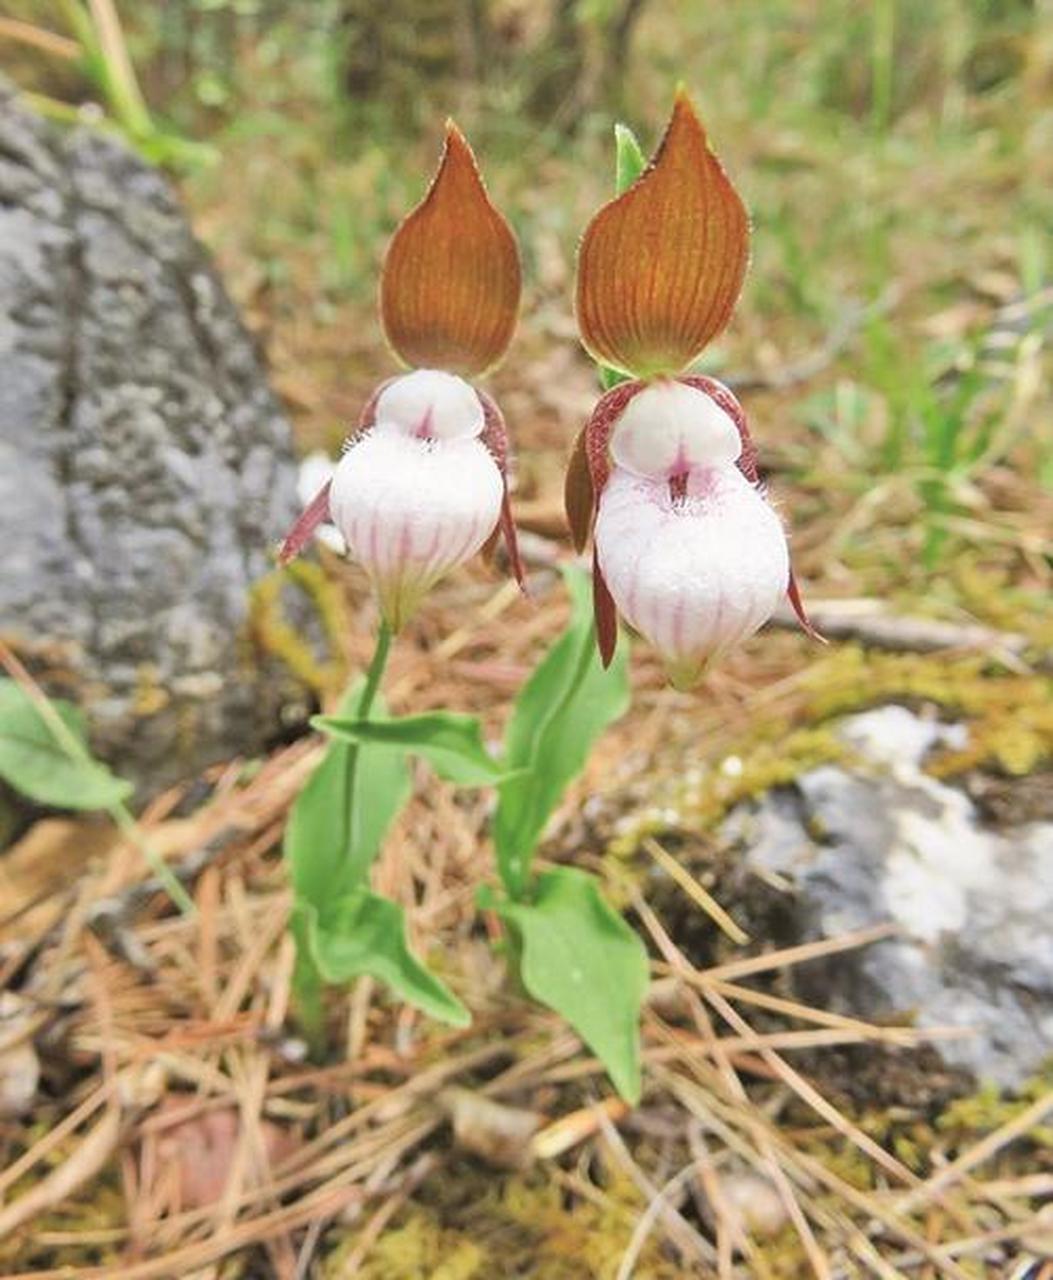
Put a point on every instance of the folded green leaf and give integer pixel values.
(629, 159)
(579, 957)
(363, 933)
(451, 743)
(47, 766)
(562, 709)
(330, 844)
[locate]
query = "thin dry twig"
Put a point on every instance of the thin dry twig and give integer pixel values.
(868, 622)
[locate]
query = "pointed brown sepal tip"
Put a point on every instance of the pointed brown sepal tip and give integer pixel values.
(507, 526)
(605, 612)
(661, 267)
(793, 592)
(449, 293)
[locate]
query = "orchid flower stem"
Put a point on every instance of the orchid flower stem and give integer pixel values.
(374, 675)
(307, 980)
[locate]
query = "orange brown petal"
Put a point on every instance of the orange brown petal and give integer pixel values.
(661, 267)
(449, 294)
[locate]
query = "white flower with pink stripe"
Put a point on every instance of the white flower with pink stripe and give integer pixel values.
(687, 548)
(418, 493)
(420, 488)
(423, 482)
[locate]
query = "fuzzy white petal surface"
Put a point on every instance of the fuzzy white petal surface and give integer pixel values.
(413, 509)
(695, 575)
(315, 469)
(429, 402)
(670, 427)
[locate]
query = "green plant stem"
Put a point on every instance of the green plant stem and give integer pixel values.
(883, 45)
(119, 812)
(125, 821)
(374, 675)
(308, 1004)
(307, 980)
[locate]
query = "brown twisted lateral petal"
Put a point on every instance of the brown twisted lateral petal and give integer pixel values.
(449, 293)
(495, 437)
(660, 267)
(579, 500)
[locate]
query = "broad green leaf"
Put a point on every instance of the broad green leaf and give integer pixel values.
(579, 957)
(363, 933)
(330, 844)
(561, 710)
(451, 743)
(37, 761)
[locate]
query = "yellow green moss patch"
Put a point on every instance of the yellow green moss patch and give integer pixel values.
(276, 636)
(1010, 716)
(469, 1223)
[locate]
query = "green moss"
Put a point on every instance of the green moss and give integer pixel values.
(273, 633)
(1009, 715)
(784, 1256)
(151, 696)
(472, 1224)
(966, 1119)
(771, 757)
(417, 1247)
(1009, 718)
(98, 1211)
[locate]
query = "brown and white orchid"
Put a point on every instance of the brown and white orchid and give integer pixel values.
(686, 546)
(422, 485)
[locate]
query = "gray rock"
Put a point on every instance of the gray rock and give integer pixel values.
(145, 469)
(882, 841)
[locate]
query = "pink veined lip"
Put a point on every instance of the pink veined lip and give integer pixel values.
(689, 465)
(697, 572)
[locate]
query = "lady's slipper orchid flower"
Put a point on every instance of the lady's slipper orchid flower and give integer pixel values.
(686, 547)
(422, 485)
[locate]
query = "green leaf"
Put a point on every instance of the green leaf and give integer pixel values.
(579, 957)
(611, 377)
(328, 853)
(451, 743)
(47, 766)
(562, 709)
(629, 159)
(363, 933)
